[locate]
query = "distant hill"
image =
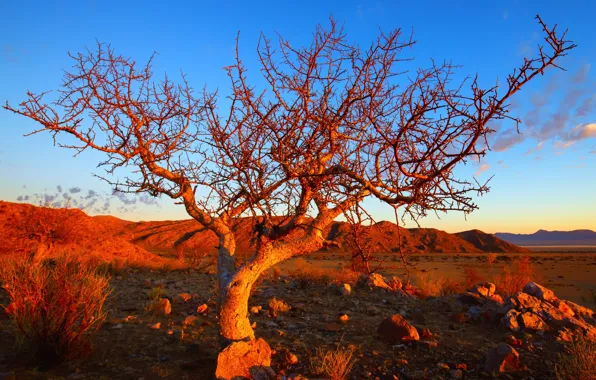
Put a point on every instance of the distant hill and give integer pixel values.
(542, 237)
(489, 243)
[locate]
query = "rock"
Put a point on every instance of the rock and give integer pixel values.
(345, 290)
(456, 374)
(503, 358)
(396, 329)
(580, 310)
(425, 333)
(161, 307)
(485, 289)
(291, 358)
(428, 344)
(539, 292)
(510, 320)
(182, 298)
(156, 326)
(531, 321)
(497, 299)
(254, 353)
(474, 312)
(256, 309)
(375, 280)
(443, 366)
(191, 320)
(469, 298)
(262, 373)
(343, 318)
(202, 309)
(563, 307)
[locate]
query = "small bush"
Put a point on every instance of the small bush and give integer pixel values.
(278, 306)
(515, 276)
(441, 286)
(55, 306)
(156, 293)
(307, 275)
(333, 364)
(471, 277)
(580, 362)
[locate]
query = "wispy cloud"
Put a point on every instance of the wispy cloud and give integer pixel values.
(481, 169)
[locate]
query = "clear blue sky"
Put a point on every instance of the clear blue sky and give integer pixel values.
(544, 178)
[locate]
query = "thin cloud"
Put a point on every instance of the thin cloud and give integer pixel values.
(481, 169)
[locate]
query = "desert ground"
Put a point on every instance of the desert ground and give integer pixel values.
(135, 343)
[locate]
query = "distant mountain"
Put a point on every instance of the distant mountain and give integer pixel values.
(542, 237)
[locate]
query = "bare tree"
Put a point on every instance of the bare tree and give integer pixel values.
(335, 125)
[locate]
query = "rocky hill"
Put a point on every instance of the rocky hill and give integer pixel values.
(488, 243)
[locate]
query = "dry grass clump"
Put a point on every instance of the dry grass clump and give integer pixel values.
(55, 306)
(580, 362)
(515, 276)
(277, 307)
(333, 364)
(156, 293)
(307, 275)
(439, 286)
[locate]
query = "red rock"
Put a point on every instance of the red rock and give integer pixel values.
(396, 329)
(503, 358)
(202, 309)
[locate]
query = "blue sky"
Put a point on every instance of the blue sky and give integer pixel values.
(543, 178)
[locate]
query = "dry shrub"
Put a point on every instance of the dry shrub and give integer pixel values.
(435, 287)
(333, 364)
(277, 307)
(515, 276)
(55, 306)
(580, 362)
(472, 277)
(307, 275)
(156, 293)
(194, 258)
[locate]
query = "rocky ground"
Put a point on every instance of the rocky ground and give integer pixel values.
(393, 334)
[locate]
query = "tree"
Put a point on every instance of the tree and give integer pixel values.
(335, 125)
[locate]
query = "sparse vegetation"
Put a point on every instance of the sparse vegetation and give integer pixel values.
(308, 275)
(55, 306)
(334, 364)
(514, 276)
(579, 363)
(156, 293)
(277, 307)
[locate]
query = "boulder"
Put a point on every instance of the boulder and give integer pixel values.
(237, 360)
(531, 321)
(485, 289)
(564, 307)
(261, 373)
(396, 329)
(580, 310)
(469, 298)
(496, 299)
(503, 358)
(523, 300)
(539, 292)
(510, 320)
(375, 280)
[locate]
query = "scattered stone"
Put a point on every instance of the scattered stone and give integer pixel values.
(256, 309)
(396, 329)
(161, 307)
(191, 320)
(202, 309)
(262, 373)
(182, 298)
(343, 318)
(156, 326)
(291, 358)
(345, 290)
(443, 366)
(501, 359)
(254, 354)
(425, 333)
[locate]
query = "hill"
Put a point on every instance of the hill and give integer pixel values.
(542, 237)
(489, 243)
(27, 229)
